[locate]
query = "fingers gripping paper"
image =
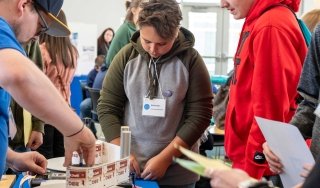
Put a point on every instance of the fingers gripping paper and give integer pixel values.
(287, 143)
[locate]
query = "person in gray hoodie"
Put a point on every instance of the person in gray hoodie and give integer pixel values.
(159, 86)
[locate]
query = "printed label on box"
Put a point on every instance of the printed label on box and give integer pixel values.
(122, 168)
(95, 177)
(109, 175)
(98, 159)
(77, 178)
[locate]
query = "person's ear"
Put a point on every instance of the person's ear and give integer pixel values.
(177, 32)
(21, 5)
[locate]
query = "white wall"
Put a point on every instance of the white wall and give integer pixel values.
(310, 4)
(103, 13)
(110, 13)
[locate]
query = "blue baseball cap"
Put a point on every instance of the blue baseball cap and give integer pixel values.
(52, 9)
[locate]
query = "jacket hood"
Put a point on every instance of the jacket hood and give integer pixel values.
(184, 41)
(260, 6)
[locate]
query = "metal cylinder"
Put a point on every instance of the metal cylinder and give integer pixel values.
(125, 142)
(125, 128)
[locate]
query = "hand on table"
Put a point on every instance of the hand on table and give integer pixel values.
(84, 143)
(28, 161)
(155, 168)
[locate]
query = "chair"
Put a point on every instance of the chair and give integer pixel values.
(83, 85)
(94, 94)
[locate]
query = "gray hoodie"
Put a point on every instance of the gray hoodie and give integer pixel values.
(185, 84)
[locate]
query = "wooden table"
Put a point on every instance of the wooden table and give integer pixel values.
(7, 181)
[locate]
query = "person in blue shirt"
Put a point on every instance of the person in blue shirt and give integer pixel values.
(20, 22)
(85, 105)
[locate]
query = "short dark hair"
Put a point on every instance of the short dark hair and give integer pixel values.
(163, 15)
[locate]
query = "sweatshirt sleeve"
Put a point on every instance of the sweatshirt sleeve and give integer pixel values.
(37, 125)
(198, 108)
(112, 99)
(277, 67)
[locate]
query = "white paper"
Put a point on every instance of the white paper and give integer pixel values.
(113, 152)
(287, 143)
(317, 111)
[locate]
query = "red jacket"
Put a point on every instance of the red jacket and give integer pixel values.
(268, 63)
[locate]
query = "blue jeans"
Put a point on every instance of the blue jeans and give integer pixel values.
(85, 108)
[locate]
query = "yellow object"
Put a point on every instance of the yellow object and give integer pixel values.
(191, 165)
(7, 181)
(200, 160)
(27, 126)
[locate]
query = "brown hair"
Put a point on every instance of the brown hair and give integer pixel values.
(101, 41)
(311, 19)
(127, 4)
(132, 4)
(163, 15)
(60, 47)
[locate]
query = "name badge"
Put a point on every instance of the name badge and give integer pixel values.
(317, 111)
(154, 107)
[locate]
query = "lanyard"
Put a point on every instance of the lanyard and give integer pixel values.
(154, 77)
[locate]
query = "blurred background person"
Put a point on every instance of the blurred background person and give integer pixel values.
(60, 62)
(86, 106)
(104, 41)
(311, 19)
(121, 38)
(125, 31)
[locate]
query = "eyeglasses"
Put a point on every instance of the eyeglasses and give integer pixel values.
(44, 26)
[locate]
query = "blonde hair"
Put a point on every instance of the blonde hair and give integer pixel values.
(311, 19)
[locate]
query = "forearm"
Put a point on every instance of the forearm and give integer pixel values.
(170, 151)
(35, 92)
(111, 103)
(10, 157)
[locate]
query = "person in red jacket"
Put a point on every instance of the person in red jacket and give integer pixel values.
(267, 67)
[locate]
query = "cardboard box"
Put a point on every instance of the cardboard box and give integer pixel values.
(110, 171)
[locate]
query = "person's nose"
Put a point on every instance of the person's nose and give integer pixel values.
(223, 4)
(153, 49)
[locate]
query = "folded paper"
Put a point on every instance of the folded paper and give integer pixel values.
(199, 163)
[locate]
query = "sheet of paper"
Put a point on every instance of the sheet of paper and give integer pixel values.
(287, 143)
(113, 152)
(202, 160)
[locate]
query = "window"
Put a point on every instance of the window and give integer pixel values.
(216, 34)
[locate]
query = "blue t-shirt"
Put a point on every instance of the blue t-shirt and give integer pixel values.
(97, 84)
(8, 40)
